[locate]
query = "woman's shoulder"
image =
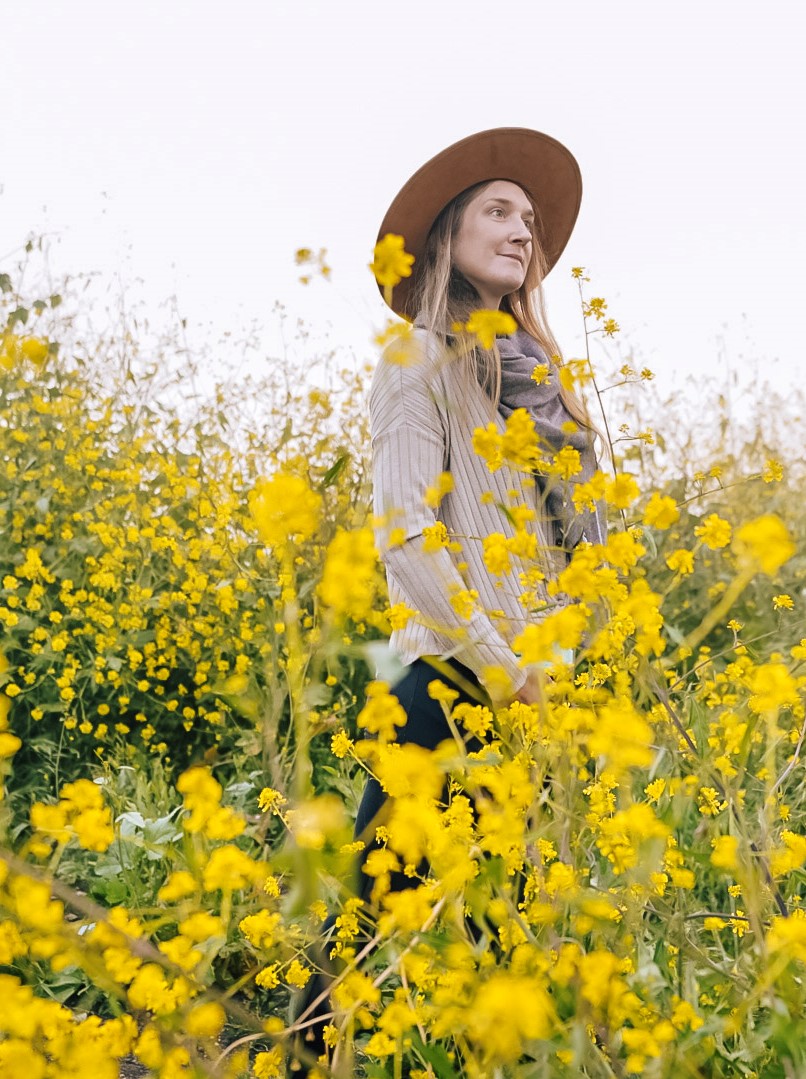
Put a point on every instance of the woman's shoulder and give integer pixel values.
(412, 358)
(407, 389)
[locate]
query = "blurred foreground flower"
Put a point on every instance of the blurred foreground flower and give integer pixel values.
(764, 544)
(391, 262)
(398, 343)
(487, 325)
(284, 507)
(348, 581)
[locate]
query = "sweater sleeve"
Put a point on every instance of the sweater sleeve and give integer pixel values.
(408, 454)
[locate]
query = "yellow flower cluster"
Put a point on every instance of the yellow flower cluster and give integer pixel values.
(80, 813)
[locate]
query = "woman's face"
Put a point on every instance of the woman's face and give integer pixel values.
(493, 245)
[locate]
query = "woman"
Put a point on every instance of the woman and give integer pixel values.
(486, 220)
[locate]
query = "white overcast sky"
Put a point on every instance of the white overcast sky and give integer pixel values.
(196, 145)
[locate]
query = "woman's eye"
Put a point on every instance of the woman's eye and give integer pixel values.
(498, 210)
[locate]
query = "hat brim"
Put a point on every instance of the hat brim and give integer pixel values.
(539, 164)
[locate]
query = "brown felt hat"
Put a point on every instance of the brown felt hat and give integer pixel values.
(539, 164)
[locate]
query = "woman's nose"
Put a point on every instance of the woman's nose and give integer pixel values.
(521, 234)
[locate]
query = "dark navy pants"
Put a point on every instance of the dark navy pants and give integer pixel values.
(425, 726)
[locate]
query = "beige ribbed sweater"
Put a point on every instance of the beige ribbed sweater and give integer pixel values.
(416, 434)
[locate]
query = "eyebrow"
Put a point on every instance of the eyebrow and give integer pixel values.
(510, 204)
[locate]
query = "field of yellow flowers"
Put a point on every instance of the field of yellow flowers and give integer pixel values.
(192, 613)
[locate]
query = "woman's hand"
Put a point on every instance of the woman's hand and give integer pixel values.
(533, 689)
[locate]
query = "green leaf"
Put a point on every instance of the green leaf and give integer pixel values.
(436, 1056)
(55, 300)
(335, 470)
(111, 891)
(5, 282)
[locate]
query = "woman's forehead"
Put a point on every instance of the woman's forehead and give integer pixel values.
(506, 190)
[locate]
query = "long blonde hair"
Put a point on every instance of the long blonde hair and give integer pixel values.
(442, 296)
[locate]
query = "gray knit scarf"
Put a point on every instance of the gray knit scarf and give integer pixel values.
(519, 355)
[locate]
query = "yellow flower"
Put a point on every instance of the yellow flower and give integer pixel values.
(654, 790)
(297, 975)
(566, 463)
(791, 857)
(354, 993)
(399, 615)
(621, 491)
(772, 687)
(519, 442)
(595, 307)
(574, 373)
(391, 262)
(764, 543)
(270, 1065)
(487, 325)
(9, 744)
(313, 821)
(50, 820)
(661, 511)
(788, 935)
(382, 712)
(709, 802)
(681, 561)
(714, 532)
(463, 601)
(586, 495)
(506, 1013)
(435, 537)
(179, 885)
(34, 349)
(541, 373)
(348, 579)
(398, 343)
(269, 977)
(438, 691)
(724, 854)
(773, 471)
(205, 1020)
(261, 929)
(442, 487)
(564, 628)
(496, 553)
(228, 868)
(622, 835)
(284, 508)
(622, 736)
(271, 800)
(488, 444)
(341, 744)
(783, 602)
(93, 829)
(682, 878)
